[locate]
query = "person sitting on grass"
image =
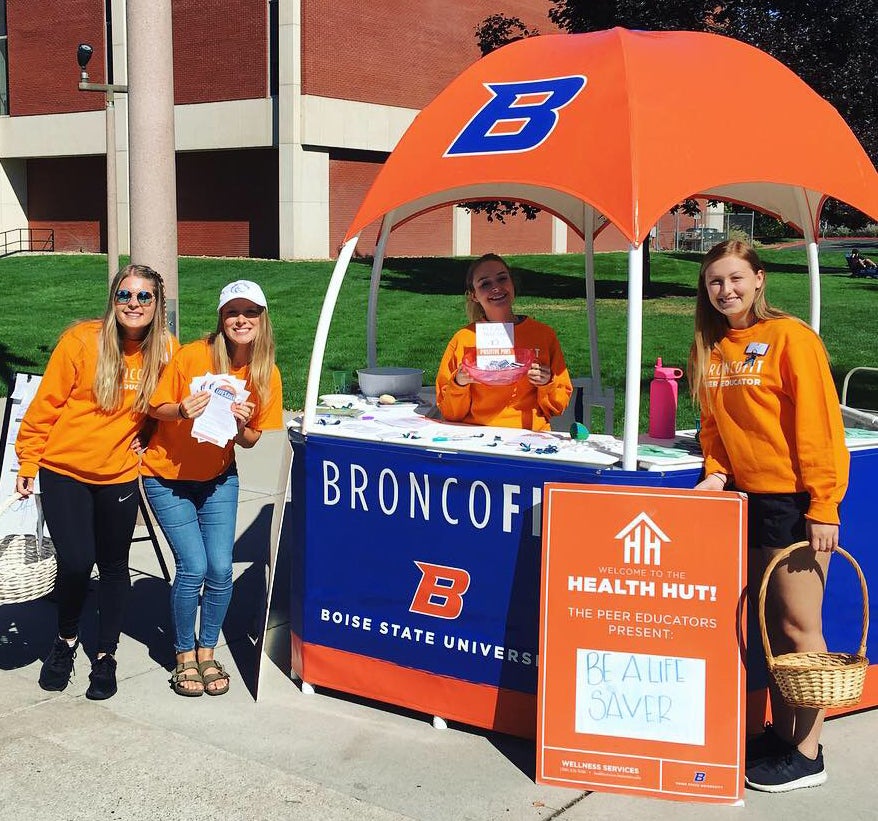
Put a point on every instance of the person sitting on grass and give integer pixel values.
(861, 266)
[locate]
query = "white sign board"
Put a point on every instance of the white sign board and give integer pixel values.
(495, 345)
(635, 695)
(21, 518)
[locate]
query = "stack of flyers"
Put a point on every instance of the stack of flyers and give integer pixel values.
(217, 424)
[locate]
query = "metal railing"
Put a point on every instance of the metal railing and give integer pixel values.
(26, 239)
(702, 237)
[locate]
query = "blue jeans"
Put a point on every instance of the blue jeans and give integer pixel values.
(198, 519)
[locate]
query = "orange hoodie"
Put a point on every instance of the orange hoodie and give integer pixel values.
(172, 452)
(775, 424)
(65, 430)
(520, 405)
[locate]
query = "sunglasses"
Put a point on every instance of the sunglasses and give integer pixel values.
(249, 313)
(123, 297)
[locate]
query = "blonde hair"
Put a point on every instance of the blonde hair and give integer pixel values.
(262, 355)
(474, 311)
(710, 325)
(155, 346)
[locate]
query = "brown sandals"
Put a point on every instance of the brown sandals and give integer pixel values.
(180, 676)
(208, 678)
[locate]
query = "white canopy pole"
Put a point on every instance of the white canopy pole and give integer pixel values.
(633, 357)
(323, 323)
(374, 284)
(590, 302)
(806, 218)
(814, 278)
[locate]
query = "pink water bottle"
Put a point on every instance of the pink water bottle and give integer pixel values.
(663, 402)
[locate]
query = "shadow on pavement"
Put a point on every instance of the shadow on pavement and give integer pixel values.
(25, 632)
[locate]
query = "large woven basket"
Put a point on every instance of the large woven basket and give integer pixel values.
(817, 679)
(27, 562)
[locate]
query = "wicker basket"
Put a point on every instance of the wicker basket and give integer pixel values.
(817, 679)
(27, 563)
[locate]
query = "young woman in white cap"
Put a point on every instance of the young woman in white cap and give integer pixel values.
(192, 486)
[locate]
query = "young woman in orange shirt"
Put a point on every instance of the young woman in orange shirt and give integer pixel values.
(82, 433)
(540, 394)
(192, 486)
(771, 425)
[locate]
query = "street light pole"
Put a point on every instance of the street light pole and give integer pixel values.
(151, 144)
(83, 55)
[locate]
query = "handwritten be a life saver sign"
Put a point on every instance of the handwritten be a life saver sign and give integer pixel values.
(634, 695)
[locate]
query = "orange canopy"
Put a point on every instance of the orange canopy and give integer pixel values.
(629, 122)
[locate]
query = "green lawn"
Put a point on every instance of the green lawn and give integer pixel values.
(421, 305)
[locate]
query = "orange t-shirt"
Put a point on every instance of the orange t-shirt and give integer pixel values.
(173, 453)
(65, 430)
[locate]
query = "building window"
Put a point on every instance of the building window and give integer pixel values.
(4, 61)
(272, 48)
(108, 16)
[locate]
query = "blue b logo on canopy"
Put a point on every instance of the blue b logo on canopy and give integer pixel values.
(518, 117)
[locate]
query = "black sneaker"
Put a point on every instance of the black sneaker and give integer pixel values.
(790, 771)
(102, 678)
(768, 744)
(58, 667)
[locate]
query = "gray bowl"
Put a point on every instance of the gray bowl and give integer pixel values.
(397, 382)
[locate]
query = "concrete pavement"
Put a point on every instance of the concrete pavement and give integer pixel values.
(147, 753)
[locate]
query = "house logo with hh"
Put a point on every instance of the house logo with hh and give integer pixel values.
(642, 541)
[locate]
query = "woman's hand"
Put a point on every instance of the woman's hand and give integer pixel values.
(243, 412)
(462, 378)
(539, 374)
(823, 537)
(194, 405)
(24, 485)
(141, 441)
(716, 481)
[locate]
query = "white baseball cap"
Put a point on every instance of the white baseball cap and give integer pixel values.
(242, 289)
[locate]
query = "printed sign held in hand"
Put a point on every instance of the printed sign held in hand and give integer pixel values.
(217, 424)
(495, 345)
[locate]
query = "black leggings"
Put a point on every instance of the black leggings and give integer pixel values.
(89, 524)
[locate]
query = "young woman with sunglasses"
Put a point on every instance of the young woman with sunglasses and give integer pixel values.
(192, 486)
(82, 432)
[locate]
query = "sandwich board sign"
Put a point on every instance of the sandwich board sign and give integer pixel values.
(641, 674)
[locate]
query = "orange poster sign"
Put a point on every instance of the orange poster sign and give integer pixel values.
(641, 674)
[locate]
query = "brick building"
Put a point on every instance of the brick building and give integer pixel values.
(285, 110)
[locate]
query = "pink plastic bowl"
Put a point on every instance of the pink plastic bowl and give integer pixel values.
(501, 376)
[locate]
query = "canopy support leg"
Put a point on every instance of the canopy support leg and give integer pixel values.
(374, 284)
(633, 357)
(323, 323)
(590, 299)
(806, 218)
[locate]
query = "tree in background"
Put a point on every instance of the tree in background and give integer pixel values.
(576, 16)
(830, 45)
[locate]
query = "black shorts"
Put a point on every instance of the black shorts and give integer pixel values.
(776, 519)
